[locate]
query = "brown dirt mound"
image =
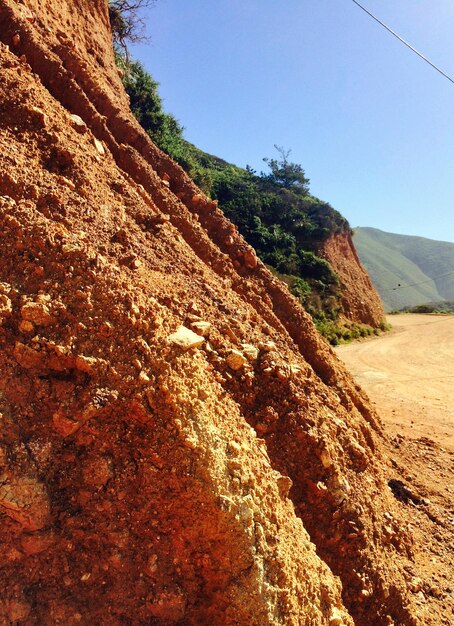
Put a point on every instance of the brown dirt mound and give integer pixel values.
(151, 475)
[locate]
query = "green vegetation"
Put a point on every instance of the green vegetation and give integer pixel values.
(407, 271)
(337, 333)
(431, 307)
(273, 210)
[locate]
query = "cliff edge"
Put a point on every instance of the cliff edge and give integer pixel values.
(360, 300)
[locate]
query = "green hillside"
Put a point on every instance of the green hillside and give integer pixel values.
(407, 271)
(274, 210)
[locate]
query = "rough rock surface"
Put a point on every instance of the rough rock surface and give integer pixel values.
(141, 483)
(360, 300)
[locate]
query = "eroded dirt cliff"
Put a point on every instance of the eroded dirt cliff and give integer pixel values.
(360, 301)
(151, 475)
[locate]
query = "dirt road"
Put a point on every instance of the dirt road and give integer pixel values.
(409, 375)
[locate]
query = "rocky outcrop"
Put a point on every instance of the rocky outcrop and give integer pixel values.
(360, 301)
(177, 444)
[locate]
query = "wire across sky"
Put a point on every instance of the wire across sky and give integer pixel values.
(390, 30)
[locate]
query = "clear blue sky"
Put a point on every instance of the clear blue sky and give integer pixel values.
(370, 122)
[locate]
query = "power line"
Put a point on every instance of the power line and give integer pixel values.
(403, 41)
(422, 282)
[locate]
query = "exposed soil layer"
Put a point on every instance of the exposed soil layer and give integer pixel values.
(360, 301)
(177, 443)
(408, 374)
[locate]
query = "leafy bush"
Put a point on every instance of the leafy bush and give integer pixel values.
(336, 333)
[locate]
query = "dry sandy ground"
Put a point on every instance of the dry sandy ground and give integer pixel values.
(409, 376)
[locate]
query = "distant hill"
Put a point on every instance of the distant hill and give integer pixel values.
(407, 271)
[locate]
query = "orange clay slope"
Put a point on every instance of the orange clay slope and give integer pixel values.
(224, 473)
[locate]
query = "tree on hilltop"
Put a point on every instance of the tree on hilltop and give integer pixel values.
(286, 174)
